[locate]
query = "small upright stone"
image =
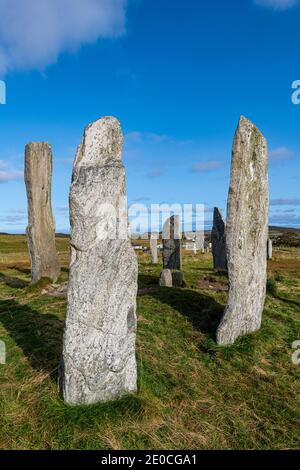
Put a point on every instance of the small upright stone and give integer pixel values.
(199, 241)
(178, 279)
(270, 249)
(246, 234)
(172, 243)
(218, 240)
(153, 248)
(166, 278)
(99, 362)
(41, 226)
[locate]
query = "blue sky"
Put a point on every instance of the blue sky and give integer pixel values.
(177, 74)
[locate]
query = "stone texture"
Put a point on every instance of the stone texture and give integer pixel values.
(166, 278)
(270, 249)
(41, 226)
(177, 279)
(246, 234)
(153, 248)
(99, 362)
(172, 243)
(200, 241)
(218, 240)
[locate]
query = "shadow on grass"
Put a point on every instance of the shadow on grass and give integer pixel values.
(205, 270)
(38, 335)
(21, 269)
(289, 301)
(14, 282)
(200, 309)
(148, 280)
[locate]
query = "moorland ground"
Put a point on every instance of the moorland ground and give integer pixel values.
(192, 393)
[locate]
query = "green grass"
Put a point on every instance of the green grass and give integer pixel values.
(192, 393)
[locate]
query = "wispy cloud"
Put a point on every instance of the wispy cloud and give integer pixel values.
(63, 209)
(155, 174)
(6, 176)
(208, 165)
(285, 202)
(33, 33)
(137, 137)
(281, 153)
(7, 173)
(279, 5)
(287, 220)
(141, 199)
(12, 220)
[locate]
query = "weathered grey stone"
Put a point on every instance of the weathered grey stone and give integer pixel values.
(41, 226)
(153, 248)
(218, 239)
(197, 238)
(166, 278)
(200, 240)
(177, 279)
(99, 362)
(270, 249)
(246, 234)
(172, 243)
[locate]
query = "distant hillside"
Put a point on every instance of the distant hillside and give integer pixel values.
(279, 230)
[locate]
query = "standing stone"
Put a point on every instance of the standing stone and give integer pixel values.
(99, 362)
(41, 226)
(218, 239)
(153, 248)
(178, 279)
(270, 249)
(246, 234)
(166, 278)
(172, 243)
(199, 241)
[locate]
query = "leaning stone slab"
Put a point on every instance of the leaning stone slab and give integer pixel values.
(246, 234)
(218, 239)
(99, 362)
(41, 226)
(172, 243)
(166, 278)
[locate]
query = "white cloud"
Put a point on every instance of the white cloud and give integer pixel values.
(281, 153)
(277, 4)
(209, 165)
(34, 32)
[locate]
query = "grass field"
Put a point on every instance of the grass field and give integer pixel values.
(191, 393)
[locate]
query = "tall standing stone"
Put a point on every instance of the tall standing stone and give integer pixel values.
(270, 249)
(218, 240)
(172, 243)
(41, 226)
(246, 234)
(153, 248)
(99, 362)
